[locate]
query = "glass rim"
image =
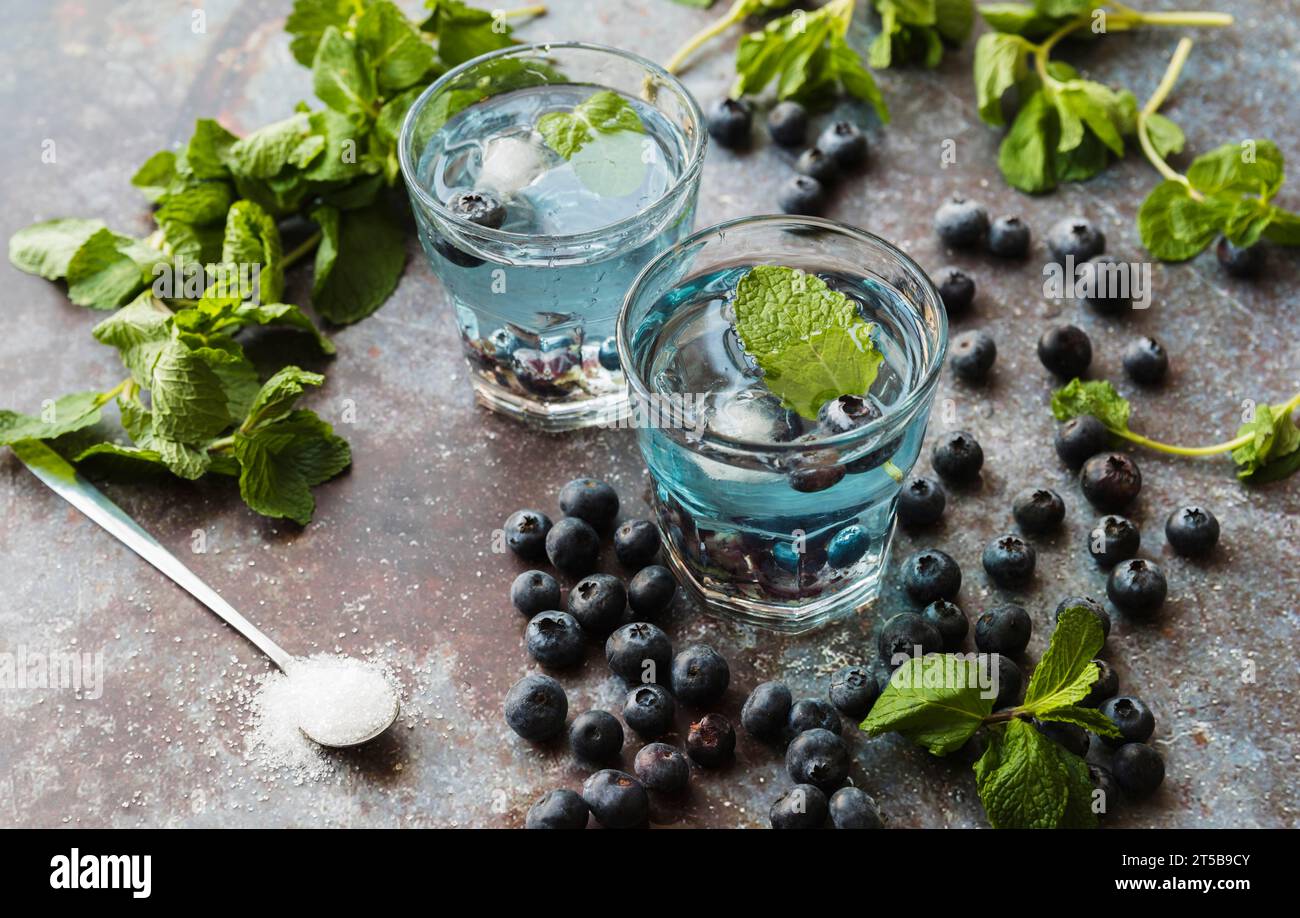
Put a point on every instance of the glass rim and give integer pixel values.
(885, 423)
(688, 174)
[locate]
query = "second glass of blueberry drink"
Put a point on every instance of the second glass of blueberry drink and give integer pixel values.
(543, 179)
(781, 372)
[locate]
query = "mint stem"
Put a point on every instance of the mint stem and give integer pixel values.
(705, 35)
(307, 246)
(1153, 105)
(1217, 449)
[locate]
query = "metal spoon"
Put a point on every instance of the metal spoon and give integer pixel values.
(63, 479)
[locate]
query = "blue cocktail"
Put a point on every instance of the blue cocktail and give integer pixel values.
(776, 483)
(543, 179)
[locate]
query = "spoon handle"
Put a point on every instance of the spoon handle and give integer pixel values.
(63, 479)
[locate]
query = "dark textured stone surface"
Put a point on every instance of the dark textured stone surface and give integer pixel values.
(399, 561)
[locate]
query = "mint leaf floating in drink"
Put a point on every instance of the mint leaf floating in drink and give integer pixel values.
(604, 138)
(809, 340)
(1266, 447)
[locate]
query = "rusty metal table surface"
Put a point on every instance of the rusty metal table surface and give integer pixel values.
(398, 562)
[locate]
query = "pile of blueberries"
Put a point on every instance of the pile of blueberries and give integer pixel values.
(641, 654)
(840, 149)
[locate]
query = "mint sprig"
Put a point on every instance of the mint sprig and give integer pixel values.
(809, 340)
(602, 113)
(917, 31)
(1025, 779)
(1266, 446)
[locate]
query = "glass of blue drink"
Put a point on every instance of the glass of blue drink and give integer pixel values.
(781, 372)
(543, 179)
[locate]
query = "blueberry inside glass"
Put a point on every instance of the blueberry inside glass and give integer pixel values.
(543, 178)
(781, 372)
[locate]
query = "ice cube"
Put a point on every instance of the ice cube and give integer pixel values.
(755, 414)
(512, 162)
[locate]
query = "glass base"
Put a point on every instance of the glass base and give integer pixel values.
(856, 597)
(552, 416)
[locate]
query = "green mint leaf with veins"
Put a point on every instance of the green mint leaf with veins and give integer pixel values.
(464, 32)
(1089, 718)
(809, 340)
(1001, 61)
(252, 238)
(1027, 781)
(1095, 397)
(109, 269)
(47, 248)
(605, 112)
(1273, 450)
(393, 47)
(1066, 673)
(341, 76)
(277, 396)
(915, 31)
(281, 461)
(64, 415)
(936, 701)
(1026, 156)
(309, 20)
(1023, 19)
(267, 151)
(139, 331)
(359, 262)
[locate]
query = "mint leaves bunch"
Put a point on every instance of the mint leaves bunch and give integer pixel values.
(805, 54)
(916, 31)
(1025, 780)
(216, 261)
(1226, 192)
(1266, 446)
(809, 340)
(1067, 128)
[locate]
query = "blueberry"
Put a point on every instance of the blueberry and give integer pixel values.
(960, 223)
(847, 546)
(535, 591)
(1138, 768)
(1105, 686)
(817, 757)
(651, 591)
(921, 502)
(949, 620)
(1137, 587)
(572, 545)
(956, 289)
(555, 639)
(526, 533)
(1107, 284)
(1131, 717)
(973, 353)
(843, 142)
(590, 500)
(596, 736)
(853, 691)
(636, 542)
(1081, 438)
(711, 741)
(1192, 531)
(817, 165)
(853, 808)
(556, 343)
(882, 672)
(617, 800)
(1074, 738)
(1010, 680)
(536, 707)
(1003, 630)
(599, 603)
(787, 122)
(1065, 350)
(903, 634)
(1009, 237)
(649, 710)
(1105, 789)
(930, 574)
(1096, 608)
(816, 476)
(662, 768)
(801, 194)
(700, 675)
(1038, 510)
(639, 652)
(1114, 539)
(957, 457)
(813, 714)
(558, 809)
(1145, 361)
(503, 343)
(729, 123)
(848, 412)
(479, 207)
(801, 807)
(766, 711)
(1110, 481)
(1238, 261)
(447, 250)
(608, 354)
(1076, 237)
